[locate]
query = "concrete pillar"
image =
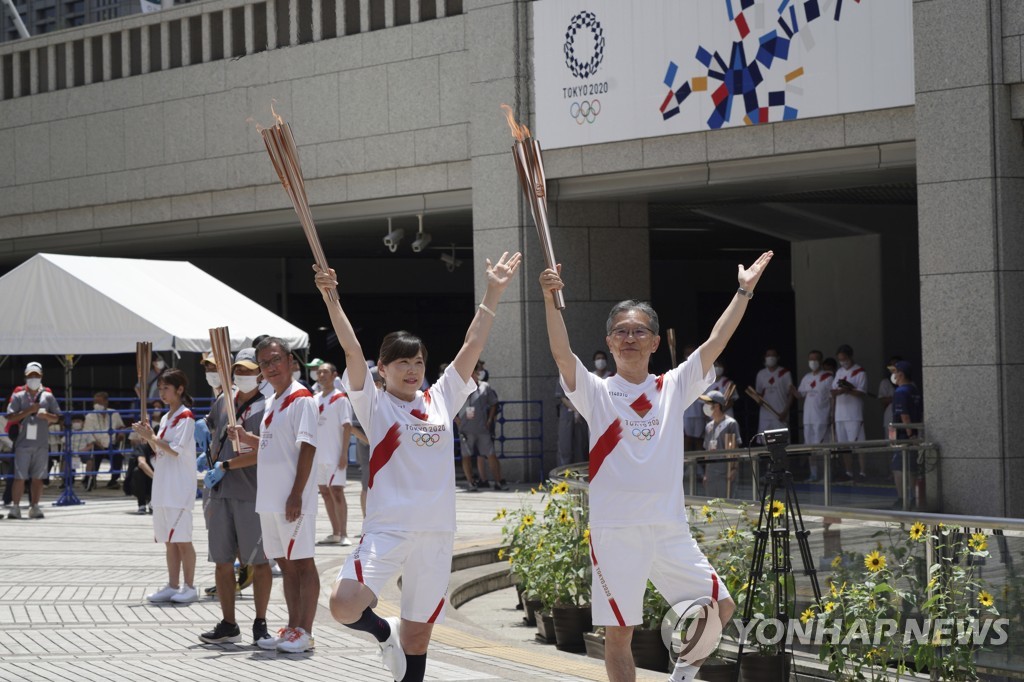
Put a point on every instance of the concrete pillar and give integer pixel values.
(126, 54)
(389, 13)
(107, 70)
(144, 48)
(293, 25)
(226, 27)
(318, 20)
(414, 11)
(69, 66)
(51, 67)
(272, 24)
(186, 40)
(33, 72)
(364, 16)
(207, 41)
(87, 53)
(971, 205)
(440, 8)
(165, 45)
(16, 73)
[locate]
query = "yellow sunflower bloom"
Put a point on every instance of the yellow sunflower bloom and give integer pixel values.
(730, 533)
(501, 554)
(917, 531)
(978, 542)
(874, 561)
(985, 599)
(778, 508)
(528, 519)
(564, 516)
(807, 615)
(586, 535)
(500, 515)
(560, 488)
(838, 561)
(932, 583)
(829, 605)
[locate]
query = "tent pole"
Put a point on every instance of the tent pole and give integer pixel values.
(67, 495)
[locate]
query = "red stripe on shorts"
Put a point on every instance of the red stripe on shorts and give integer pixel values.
(359, 564)
(291, 543)
(607, 590)
(170, 535)
(437, 611)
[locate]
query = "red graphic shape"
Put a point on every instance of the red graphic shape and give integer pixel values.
(426, 396)
(187, 414)
(741, 25)
(714, 587)
(383, 452)
(291, 543)
(602, 448)
(419, 414)
(641, 405)
(437, 611)
(660, 382)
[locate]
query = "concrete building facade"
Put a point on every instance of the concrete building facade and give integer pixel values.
(904, 231)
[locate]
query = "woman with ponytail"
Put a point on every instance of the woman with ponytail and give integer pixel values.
(174, 486)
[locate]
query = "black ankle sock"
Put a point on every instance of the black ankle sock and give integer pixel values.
(372, 623)
(415, 667)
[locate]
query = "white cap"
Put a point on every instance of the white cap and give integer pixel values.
(33, 367)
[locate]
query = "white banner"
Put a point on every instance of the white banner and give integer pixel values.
(608, 70)
(148, 6)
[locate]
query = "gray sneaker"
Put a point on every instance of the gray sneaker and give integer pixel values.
(34, 512)
(15, 513)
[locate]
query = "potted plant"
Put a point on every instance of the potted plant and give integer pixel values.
(520, 532)
(566, 535)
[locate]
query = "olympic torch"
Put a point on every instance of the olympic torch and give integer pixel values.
(220, 345)
(285, 157)
(143, 358)
(530, 165)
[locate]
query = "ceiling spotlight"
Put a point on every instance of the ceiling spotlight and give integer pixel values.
(393, 237)
(450, 261)
(422, 238)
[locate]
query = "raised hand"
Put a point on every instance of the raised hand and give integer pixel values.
(326, 282)
(551, 281)
(500, 274)
(748, 277)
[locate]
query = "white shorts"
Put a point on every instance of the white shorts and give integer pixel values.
(849, 432)
(815, 434)
(331, 476)
(624, 558)
(284, 540)
(171, 524)
(424, 558)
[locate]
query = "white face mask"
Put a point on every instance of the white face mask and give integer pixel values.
(814, 365)
(892, 378)
(846, 364)
(296, 375)
(719, 371)
(709, 411)
(159, 364)
(600, 363)
(76, 426)
(33, 384)
(770, 361)
(246, 384)
(213, 378)
(98, 408)
(480, 376)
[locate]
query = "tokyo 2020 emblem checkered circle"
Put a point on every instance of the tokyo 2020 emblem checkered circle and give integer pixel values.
(586, 111)
(425, 439)
(692, 630)
(588, 21)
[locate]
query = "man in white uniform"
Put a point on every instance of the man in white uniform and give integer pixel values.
(334, 429)
(849, 388)
(815, 390)
(286, 491)
(774, 384)
(638, 521)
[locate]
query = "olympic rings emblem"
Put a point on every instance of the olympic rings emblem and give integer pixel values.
(644, 434)
(426, 439)
(584, 20)
(586, 111)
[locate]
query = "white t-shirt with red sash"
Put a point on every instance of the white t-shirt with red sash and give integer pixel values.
(334, 412)
(816, 390)
(288, 421)
(174, 477)
(850, 408)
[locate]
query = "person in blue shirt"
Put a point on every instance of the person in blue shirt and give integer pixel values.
(907, 408)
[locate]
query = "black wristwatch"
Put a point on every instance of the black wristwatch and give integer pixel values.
(227, 465)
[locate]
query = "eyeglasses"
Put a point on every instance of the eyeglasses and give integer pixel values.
(274, 360)
(639, 333)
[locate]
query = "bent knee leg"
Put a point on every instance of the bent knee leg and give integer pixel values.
(348, 601)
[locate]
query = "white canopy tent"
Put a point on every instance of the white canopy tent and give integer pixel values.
(81, 305)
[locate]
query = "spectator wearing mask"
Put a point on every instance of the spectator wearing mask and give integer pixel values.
(775, 384)
(32, 409)
(601, 369)
(849, 388)
(816, 392)
(209, 364)
(907, 408)
(475, 421)
(886, 389)
(722, 384)
(99, 427)
(718, 476)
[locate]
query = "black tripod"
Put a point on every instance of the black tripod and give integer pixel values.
(775, 525)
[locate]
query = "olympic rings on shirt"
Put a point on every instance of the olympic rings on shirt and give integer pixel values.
(586, 111)
(426, 439)
(644, 434)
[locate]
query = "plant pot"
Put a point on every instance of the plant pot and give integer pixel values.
(570, 624)
(595, 645)
(530, 608)
(519, 596)
(649, 650)
(717, 670)
(765, 668)
(545, 628)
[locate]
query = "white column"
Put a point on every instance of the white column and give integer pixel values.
(364, 16)
(33, 72)
(51, 67)
(107, 70)
(69, 66)
(205, 21)
(339, 16)
(318, 20)
(16, 73)
(389, 13)
(293, 22)
(414, 11)
(126, 54)
(272, 24)
(165, 46)
(144, 48)
(225, 25)
(87, 54)
(440, 8)
(250, 30)
(186, 41)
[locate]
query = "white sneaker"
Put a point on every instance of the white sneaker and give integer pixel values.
(275, 570)
(330, 540)
(297, 641)
(185, 595)
(164, 594)
(345, 542)
(34, 512)
(391, 651)
(270, 643)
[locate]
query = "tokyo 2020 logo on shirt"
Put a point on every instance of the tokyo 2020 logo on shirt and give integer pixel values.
(426, 440)
(644, 433)
(584, 27)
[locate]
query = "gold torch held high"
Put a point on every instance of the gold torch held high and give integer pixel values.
(285, 157)
(530, 165)
(220, 345)
(143, 359)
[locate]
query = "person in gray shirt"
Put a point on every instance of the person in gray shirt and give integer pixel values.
(32, 408)
(721, 433)
(475, 421)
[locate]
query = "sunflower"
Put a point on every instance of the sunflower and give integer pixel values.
(917, 531)
(705, 510)
(874, 562)
(838, 561)
(834, 591)
(985, 599)
(502, 513)
(564, 516)
(978, 542)
(778, 509)
(932, 583)
(501, 554)
(533, 491)
(730, 533)
(829, 605)
(586, 535)
(528, 519)
(807, 615)
(560, 488)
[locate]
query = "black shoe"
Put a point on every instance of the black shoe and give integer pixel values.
(500, 485)
(90, 484)
(481, 485)
(259, 630)
(113, 485)
(223, 632)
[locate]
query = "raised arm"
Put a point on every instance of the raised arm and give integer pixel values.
(558, 336)
(499, 275)
(730, 319)
(355, 361)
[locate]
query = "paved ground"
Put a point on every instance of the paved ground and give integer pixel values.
(72, 607)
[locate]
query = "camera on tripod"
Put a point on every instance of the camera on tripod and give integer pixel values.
(776, 440)
(776, 437)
